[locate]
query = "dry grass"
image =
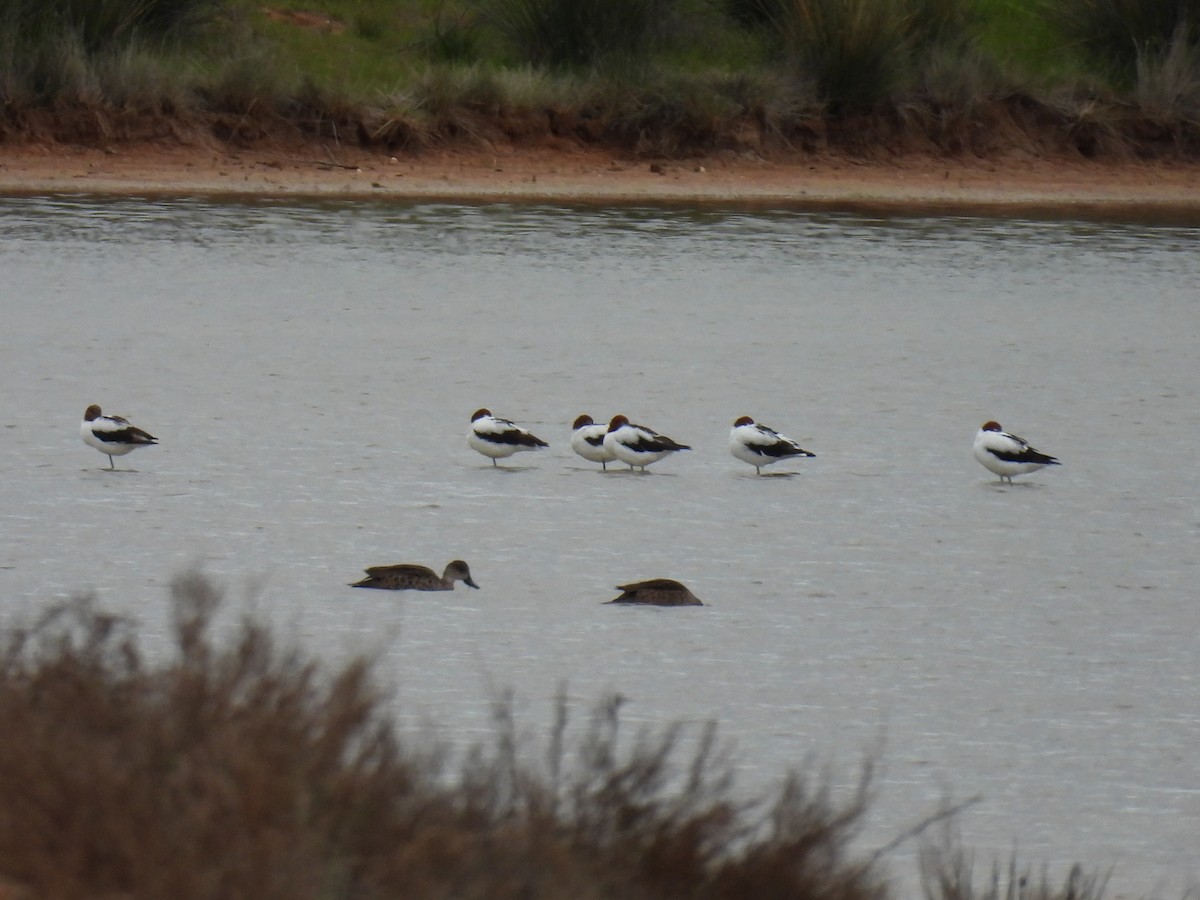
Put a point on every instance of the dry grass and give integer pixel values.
(241, 768)
(948, 874)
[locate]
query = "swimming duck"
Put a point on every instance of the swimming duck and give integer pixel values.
(407, 577)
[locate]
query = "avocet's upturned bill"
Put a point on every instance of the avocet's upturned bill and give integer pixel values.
(761, 446)
(498, 438)
(1006, 454)
(637, 445)
(587, 439)
(112, 435)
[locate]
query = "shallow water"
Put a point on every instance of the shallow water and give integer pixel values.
(310, 371)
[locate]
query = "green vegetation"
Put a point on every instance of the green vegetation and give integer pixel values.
(867, 55)
(669, 77)
(106, 25)
(237, 768)
(555, 34)
(1118, 36)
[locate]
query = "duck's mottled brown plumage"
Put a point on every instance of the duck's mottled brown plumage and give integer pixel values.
(408, 577)
(657, 592)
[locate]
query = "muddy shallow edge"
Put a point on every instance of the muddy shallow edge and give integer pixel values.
(1160, 192)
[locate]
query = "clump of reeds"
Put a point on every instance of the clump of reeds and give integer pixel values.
(453, 39)
(1168, 82)
(867, 55)
(102, 24)
(575, 34)
(752, 13)
(1118, 36)
(947, 873)
(100, 54)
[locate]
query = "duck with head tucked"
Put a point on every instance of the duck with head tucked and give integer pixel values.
(408, 577)
(657, 592)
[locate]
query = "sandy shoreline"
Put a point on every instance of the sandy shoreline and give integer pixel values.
(1136, 190)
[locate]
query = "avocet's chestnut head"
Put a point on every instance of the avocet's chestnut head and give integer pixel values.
(479, 414)
(582, 421)
(617, 422)
(744, 420)
(92, 413)
(991, 426)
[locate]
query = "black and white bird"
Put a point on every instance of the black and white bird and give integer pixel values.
(638, 445)
(112, 435)
(1006, 454)
(587, 439)
(761, 446)
(498, 438)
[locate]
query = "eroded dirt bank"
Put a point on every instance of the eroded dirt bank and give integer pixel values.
(1011, 185)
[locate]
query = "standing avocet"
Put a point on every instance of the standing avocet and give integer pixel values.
(587, 439)
(112, 435)
(1006, 454)
(638, 445)
(498, 438)
(761, 446)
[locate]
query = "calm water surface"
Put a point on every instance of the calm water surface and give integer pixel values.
(311, 369)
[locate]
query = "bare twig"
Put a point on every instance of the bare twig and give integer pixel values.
(939, 816)
(327, 163)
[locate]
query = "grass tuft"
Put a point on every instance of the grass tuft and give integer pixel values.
(947, 873)
(1118, 36)
(580, 34)
(1168, 82)
(866, 55)
(99, 24)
